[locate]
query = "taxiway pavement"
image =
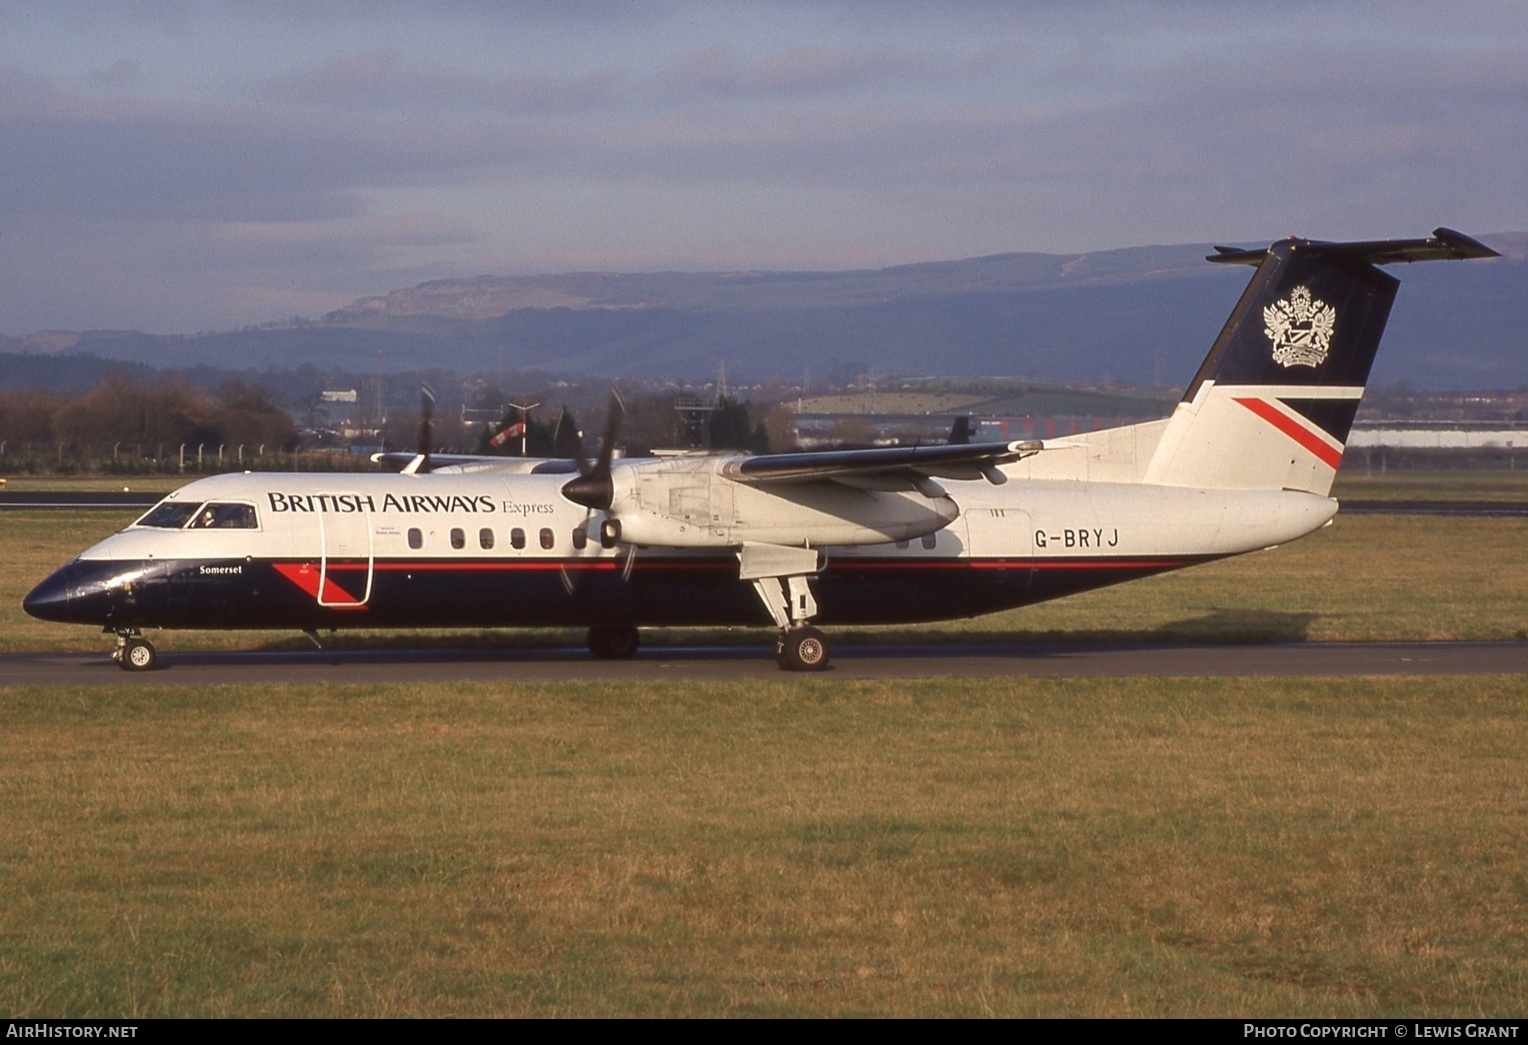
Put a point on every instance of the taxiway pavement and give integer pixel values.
(511, 665)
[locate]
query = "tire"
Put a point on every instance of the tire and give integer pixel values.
(805, 649)
(613, 642)
(138, 655)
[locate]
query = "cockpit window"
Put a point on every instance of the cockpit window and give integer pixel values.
(170, 515)
(215, 516)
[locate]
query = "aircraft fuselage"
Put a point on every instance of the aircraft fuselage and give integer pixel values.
(367, 551)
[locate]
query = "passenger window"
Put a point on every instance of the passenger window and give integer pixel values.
(416, 539)
(580, 538)
(930, 539)
(547, 541)
(517, 538)
(458, 538)
(902, 546)
(485, 538)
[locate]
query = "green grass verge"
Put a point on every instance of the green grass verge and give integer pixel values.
(155, 484)
(1426, 484)
(803, 847)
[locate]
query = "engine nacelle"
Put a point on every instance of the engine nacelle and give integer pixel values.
(690, 508)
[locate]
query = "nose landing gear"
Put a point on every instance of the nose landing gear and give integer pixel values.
(134, 652)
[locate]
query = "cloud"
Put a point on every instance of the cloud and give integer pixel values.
(719, 71)
(384, 81)
(78, 157)
(121, 73)
(333, 148)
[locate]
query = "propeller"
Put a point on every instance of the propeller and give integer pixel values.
(593, 487)
(421, 461)
(565, 441)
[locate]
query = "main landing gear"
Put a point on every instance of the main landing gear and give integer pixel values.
(612, 642)
(134, 652)
(799, 646)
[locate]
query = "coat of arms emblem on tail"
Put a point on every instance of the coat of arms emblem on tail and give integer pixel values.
(1300, 328)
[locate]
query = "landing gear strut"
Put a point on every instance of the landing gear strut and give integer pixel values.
(612, 642)
(134, 652)
(799, 646)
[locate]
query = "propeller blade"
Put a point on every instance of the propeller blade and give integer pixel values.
(421, 461)
(565, 441)
(593, 488)
(614, 415)
(426, 415)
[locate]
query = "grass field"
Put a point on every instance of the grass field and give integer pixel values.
(1010, 847)
(159, 484)
(935, 848)
(1432, 485)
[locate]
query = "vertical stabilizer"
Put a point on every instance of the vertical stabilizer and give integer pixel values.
(1272, 404)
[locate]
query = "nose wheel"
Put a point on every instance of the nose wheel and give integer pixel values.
(134, 652)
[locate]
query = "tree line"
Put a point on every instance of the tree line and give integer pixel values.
(650, 421)
(129, 415)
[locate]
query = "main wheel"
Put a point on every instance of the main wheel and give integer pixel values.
(613, 642)
(137, 655)
(803, 649)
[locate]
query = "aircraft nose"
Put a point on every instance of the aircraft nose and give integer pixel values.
(50, 599)
(85, 592)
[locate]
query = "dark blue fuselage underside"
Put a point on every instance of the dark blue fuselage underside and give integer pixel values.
(225, 594)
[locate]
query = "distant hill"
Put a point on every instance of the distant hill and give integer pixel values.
(1121, 315)
(62, 372)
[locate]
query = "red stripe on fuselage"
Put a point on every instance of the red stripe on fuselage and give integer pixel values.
(1326, 453)
(306, 576)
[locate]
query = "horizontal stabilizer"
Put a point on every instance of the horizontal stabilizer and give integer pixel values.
(1442, 245)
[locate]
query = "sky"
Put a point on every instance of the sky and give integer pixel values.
(175, 165)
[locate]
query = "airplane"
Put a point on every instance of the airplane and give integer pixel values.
(889, 535)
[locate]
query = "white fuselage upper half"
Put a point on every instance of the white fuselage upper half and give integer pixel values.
(525, 516)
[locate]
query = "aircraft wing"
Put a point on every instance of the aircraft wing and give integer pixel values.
(478, 463)
(906, 464)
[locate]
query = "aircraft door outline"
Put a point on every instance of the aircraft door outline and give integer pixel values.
(343, 538)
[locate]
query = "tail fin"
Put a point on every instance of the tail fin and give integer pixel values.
(1271, 406)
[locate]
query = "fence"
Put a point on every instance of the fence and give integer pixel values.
(73, 458)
